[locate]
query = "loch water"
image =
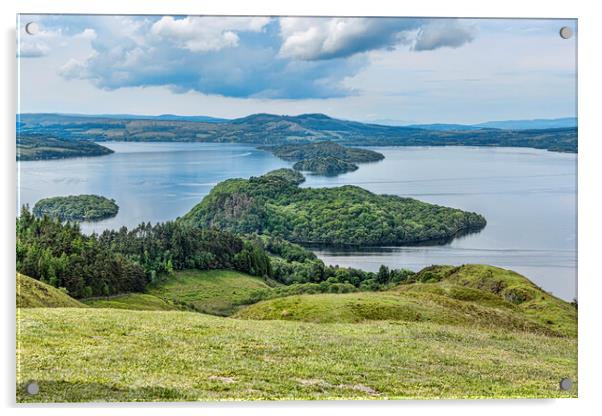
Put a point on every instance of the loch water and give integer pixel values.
(528, 196)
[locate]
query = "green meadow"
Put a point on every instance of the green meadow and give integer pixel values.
(452, 332)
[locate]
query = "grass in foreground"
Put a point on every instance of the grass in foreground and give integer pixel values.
(133, 301)
(116, 355)
(32, 293)
(217, 292)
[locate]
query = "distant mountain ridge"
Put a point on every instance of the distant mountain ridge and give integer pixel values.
(538, 123)
(271, 129)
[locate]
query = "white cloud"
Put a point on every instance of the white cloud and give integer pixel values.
(326, 38)
(88, 34)
(441, 33)
(73, 69)
(204, 34)
(32, 49)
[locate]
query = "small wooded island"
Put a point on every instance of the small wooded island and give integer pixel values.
(324, 158)
(348, 215)
(41, 147)
(76, 208)
(327, 166)
(296, 152)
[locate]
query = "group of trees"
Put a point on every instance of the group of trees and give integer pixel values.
(60, 255)
(347, 215)
(120, 261)
(126, 260)
(327, 166)
(315, 271)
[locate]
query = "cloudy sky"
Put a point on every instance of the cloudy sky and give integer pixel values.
(398, 70)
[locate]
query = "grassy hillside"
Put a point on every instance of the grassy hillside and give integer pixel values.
(32, 293)
(134, 301)
(449, 299)
(346, 215)
(217, 292)
(115, 355)
(513, 288)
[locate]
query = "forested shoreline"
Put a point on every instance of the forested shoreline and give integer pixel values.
(344, 216)
(123, 261)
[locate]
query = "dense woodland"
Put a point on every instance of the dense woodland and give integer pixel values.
(125, 260)
(76, 208)
(348, 215)
(327, 166)
(121, 261)
(304, 151)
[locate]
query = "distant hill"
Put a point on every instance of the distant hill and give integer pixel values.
(32, 293)
(540, 123)
(554, 123)
(164, 117)
(270, 129)
(445, 127)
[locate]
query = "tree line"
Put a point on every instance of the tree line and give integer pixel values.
(124, 260)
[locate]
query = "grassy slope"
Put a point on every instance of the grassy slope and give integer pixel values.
(467, 295)
(134, 301)
(512, 287)
(217, 292)
(116, 355)
(32, 293)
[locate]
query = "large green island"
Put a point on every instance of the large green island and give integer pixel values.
(348, 215)
(76, 208)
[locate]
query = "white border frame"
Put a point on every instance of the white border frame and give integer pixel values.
(589, 229)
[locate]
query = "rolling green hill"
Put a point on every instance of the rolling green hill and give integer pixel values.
(217, 292)
(450, 332)
(177, 356)
(347, 215)
(510, 286)
(32, 293)
(466, 296)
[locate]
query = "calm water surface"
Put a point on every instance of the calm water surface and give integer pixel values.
(527, 196)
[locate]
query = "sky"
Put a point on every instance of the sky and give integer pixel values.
(388, 70)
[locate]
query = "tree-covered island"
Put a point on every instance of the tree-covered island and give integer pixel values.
(347, 215)
(76, 208)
